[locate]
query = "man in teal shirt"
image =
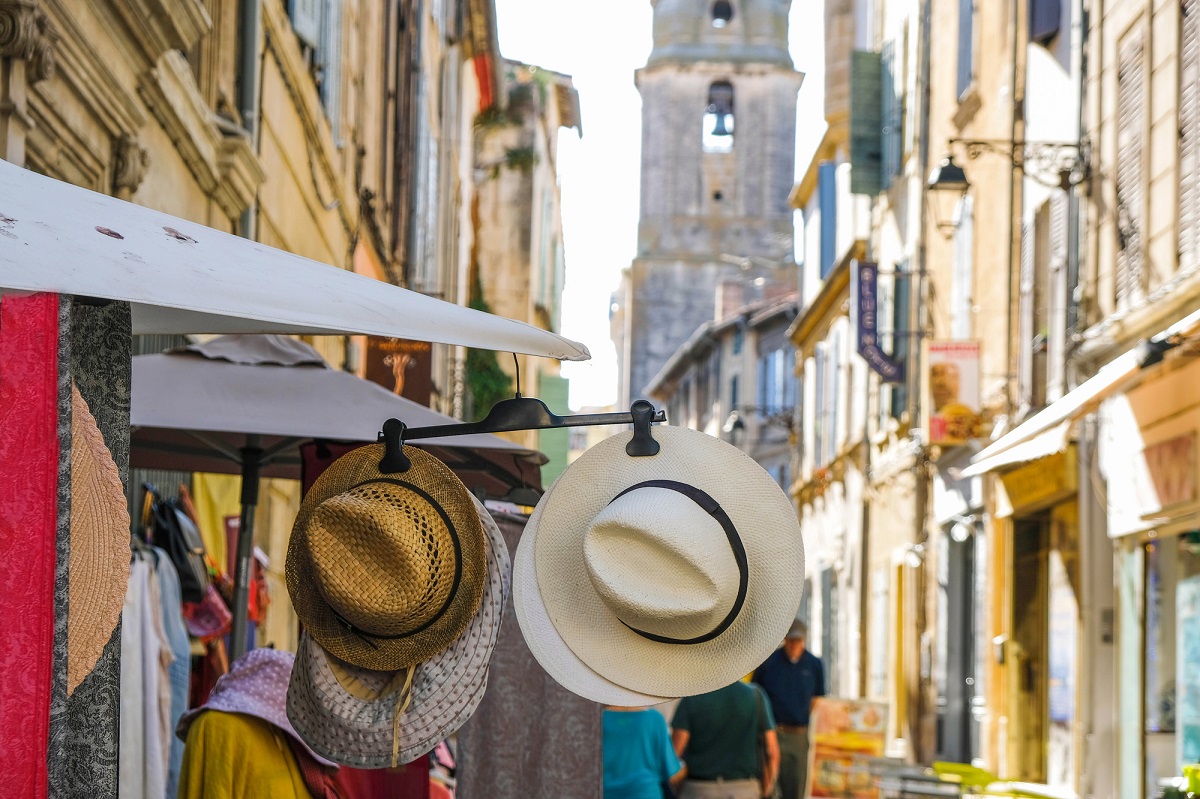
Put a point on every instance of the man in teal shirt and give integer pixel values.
(719, 735)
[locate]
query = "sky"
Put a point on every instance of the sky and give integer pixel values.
(600, 43)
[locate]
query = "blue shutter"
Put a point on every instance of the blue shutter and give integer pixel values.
(827, 203)
(330, 54)
(1044, 17)
(902, 336)
(966, 44)
(306, 20)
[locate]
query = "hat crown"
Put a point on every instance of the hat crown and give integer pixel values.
(383, 556)
(661, 563)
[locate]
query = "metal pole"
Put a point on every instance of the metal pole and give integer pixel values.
(251, 461)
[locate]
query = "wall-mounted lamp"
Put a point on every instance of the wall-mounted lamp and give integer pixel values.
(962, 528)
(1058, 165)
(946, 186)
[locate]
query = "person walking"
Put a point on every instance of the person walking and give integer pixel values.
(638, 757)
(792, 678)
(727, 737)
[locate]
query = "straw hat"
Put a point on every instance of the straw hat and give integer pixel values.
(385, 571)
(99, 562)
(349, 714)
(544, 641)
(669, 575)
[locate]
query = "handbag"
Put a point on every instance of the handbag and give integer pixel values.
(208, 619)
(178, 536)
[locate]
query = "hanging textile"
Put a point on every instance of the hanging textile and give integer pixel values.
(181, 667)
(145, 686)
(530, 736)
(100, 345)
(29, 463)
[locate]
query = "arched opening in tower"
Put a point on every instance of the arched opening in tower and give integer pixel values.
(718, 118)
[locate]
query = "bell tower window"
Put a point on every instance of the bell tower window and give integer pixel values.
(718, 118)
(722, 12)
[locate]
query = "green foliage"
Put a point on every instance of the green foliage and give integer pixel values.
(486, 382)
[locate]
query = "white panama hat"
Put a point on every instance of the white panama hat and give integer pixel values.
(668, 575)
(548, 647)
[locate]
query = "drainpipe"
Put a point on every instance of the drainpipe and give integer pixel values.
(414, 136)
(249, 91)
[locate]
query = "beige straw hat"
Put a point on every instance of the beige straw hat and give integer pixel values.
(348, 714)
(386, 570)
(99, 563)
(548, 647)
(668, 575)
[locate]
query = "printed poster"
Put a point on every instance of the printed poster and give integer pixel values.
(951, 392)
(843, 733)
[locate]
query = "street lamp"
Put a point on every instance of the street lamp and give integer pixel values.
(735, 423)
(1057, 165)
(947, 186)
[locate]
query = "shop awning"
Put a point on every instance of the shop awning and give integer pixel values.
(1048, 431)
(181, 277)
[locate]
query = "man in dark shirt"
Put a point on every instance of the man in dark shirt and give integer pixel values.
(718, 735)
(792, 678)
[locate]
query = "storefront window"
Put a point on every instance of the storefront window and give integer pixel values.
(1172, 655)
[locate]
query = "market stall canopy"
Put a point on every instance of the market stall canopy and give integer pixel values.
(192, 409)
(181, 277)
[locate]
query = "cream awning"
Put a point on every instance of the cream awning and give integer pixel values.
(181, 277)
(1048, 431)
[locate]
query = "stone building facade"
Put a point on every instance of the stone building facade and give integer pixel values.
(718, 155)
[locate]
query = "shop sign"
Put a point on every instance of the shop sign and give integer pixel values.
(1043, 482)
(864, 295)
(1172, 468)
(402, 366)
(950, 392)
(844, 734)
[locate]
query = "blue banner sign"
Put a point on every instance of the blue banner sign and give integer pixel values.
(864, 298)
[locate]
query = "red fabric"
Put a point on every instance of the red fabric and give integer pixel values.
(28, 521)
(410, 781)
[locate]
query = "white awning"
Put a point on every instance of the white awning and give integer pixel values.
(181, 277)
(1045, 443)
(1038, 436)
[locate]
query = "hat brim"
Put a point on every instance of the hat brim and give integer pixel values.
(381, 654)
(765, 522)
(446, 689)
(547, 646)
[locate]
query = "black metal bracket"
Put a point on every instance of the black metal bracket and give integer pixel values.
(394, 460)
(642, 444)
(521, 413)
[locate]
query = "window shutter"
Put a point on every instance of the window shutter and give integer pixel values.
(963, 287)
(1131, 109)
(331, 65)
(1044, 17)
(966, 44)
(306, 20)
(827, 202)
(1189, 135)
(1025, 318)
(893, 114)
(866, 123)
(902, 332)
(819, 394)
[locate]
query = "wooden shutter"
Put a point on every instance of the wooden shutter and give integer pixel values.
(330, 54)
(306, 20)
(1025, 317)
(966, 45)
(1131, 110)
(1044, 19)
(893, 114)
(866, 124)
(827, 202)
(1189, 135)
(901, 331)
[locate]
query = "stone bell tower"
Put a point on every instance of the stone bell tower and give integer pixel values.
(718, 161)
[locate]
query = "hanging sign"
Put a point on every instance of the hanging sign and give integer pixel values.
(951, 391)
(864, 296)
